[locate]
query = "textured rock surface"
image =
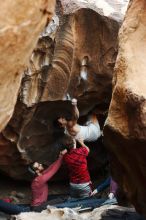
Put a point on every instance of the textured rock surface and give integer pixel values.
(20, 24)
(74, 39)
(125, 130)
(55, 73)
(37, 71)
(98, 42)
(60, 68)
(107, 212)
(63, 71)
(112, 9)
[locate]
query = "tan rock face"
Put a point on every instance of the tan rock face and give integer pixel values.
(77, 39)
(125, 130)
(112, 9)
(20, 24)
(98, 42)
(36, 73)
(79, 61)
(60, 68)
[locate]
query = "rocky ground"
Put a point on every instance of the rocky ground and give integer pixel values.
(107, 212)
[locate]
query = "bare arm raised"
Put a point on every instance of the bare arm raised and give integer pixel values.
(74, 103)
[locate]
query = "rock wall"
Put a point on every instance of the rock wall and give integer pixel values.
(20, 25)
(96, 40)
(114, 10)
(74, 60)
(32, 135)
(36, 73)
(60, 68)
(55, 72)
(74, 39)
(125, 130)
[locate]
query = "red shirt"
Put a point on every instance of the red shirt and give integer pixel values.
(39, 185)
(76, 163)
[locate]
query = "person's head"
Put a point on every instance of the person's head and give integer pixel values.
(67, 120)
(62, 121)
(68, 142)
(36, 168)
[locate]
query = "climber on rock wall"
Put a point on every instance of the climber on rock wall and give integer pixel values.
(88, 132)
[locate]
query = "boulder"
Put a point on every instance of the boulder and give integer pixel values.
(112, 9)
(20, 25)
(125, 129)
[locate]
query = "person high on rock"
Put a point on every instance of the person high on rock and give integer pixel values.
(88, 132)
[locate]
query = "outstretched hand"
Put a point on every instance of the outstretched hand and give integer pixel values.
(63, 152)
(74, 101)
(111, 196)
(94, 192)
